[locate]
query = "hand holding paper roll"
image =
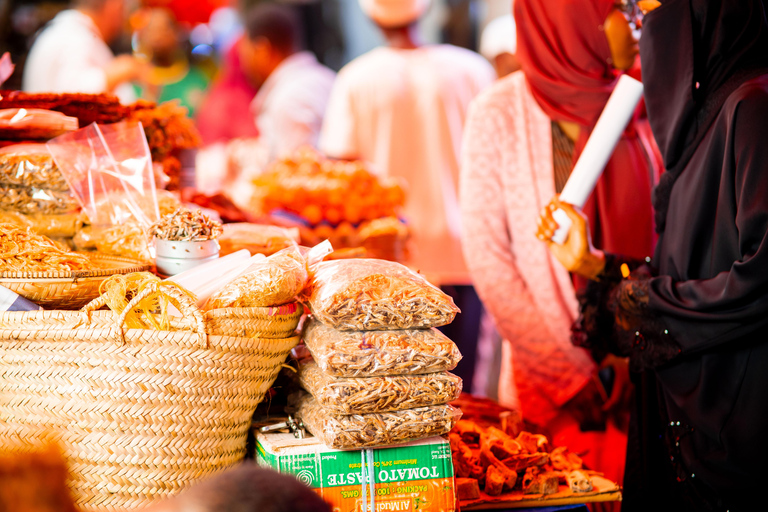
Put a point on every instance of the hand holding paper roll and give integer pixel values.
(576, 254)
(561, 224)
(599, 148)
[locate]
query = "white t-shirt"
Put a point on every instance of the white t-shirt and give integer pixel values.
(404, 111)
(290, 105)
(69, 55)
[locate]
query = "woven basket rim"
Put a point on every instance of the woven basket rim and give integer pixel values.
(122, 266)
(289, 309)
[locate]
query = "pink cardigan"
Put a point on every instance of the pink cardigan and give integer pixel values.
(506, 178)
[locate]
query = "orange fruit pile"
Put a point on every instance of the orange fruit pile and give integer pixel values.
(323, 190)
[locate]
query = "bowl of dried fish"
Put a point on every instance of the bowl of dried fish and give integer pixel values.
(183, 240)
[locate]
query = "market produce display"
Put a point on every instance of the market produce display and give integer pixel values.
(376, 353)
(185, 225)
(23, 250)
(380, 374)
(370, 294)
(273, 281)
(496, 466)
(32, 166)
(378, 394)
(344, 202)
(324, 190)
(256, 238)
(356, 431)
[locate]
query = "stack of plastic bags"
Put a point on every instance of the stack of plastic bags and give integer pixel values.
(380, 371)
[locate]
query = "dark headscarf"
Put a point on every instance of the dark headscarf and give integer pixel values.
(565, 57)
(695, 53)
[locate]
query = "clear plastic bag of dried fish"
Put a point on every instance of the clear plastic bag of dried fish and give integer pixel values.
(355, 431)
(30, 166)
(376, 353)
(273, 281)
(36, 200)
(378, 394)
(371, 294)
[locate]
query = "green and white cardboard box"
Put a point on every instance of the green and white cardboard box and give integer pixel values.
(407, 477)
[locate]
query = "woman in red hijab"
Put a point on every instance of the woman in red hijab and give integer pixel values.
(522, 137)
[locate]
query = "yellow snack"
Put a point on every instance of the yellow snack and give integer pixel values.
(275, 280)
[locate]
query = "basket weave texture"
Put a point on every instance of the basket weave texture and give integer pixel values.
(70, 289)
(139, 413)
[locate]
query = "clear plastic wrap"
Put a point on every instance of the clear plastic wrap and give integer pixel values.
(378, 394)
(34, 124)
(370, 295)
(64, 225)
(36, 200)
(377, 429)
(257, 238)
(109, 170)
(272, 281)
(30, 165)
(128, 240)
(379, 353)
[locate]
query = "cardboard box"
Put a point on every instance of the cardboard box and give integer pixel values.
(417, 476)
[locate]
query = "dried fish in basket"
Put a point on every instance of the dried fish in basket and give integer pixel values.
(379, 394)
(374, 353)
(370, 294)
(376, 429)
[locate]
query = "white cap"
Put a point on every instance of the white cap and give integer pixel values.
(394, 13)
(499, 36)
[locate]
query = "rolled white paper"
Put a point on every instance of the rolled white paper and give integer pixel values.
(591, 163)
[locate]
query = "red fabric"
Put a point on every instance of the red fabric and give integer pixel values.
(565, 58)
(189, 12)
(225, 112)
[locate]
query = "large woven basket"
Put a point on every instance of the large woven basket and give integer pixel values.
(139, 413)
(70, 289)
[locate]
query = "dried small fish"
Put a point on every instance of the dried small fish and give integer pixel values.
(370, 295)
(376, 429)
(375, 353)
(36, 200)
(31, 166)
(379, 394)
(186, 225)
(273, 281)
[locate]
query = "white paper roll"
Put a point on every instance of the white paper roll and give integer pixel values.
(599, 148)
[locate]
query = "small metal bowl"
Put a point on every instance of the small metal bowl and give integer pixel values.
(174, 257)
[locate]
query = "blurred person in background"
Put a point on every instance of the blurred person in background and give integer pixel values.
(245, 488)
(287, 111)
(161, 41)
(498, 44)
(402, 107)
(523, 136)
(72, 53)
(293, 86)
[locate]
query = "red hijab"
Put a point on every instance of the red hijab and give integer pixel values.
(566, 61)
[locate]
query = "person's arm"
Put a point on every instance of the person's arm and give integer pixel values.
(704, 313)
(656, 319)
(548, 363)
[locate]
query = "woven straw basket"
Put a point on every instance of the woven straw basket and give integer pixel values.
(139, 413)
(68, 289)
